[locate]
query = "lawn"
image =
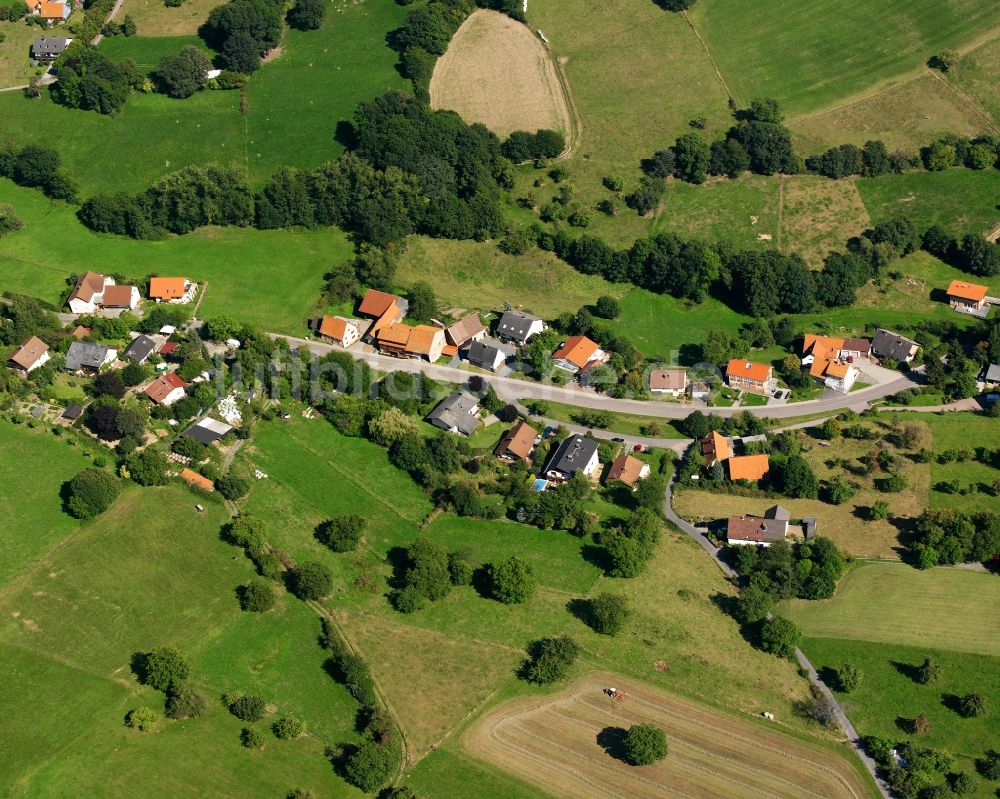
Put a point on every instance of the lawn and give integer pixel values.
(637, 76)
(269, 278)
(819, 215)
(888, 697)
(891, 603)
(15, 55)
(147, 51)
(978, 74)
(476, 275)
(960, 200)
(794, 53)
(963, 431)
(155, 18)
(150, 572)
(294, 102)
(33, 470)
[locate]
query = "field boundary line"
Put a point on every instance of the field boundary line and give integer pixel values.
(576, 123)
(708, 52)
(970, 102)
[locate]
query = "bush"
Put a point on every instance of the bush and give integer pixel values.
(311, 580)
(511, 581)
(162, 668)
(184, 703)
(91, 492)
(247, 708)
(369, 766)
(251, 738)
(550, 659)
(460, 568)
(928, 672)
(606, 307)
(645, 744)
(257, 596)
(849, 677)
(780, 637)
(342, 533)
(972, 705)
(943, 60)
(608, 613)
(233, 486)
(306, 15)
(989, 765)
(962, 783)
(141, 718)
(408, 600)
(287, 728)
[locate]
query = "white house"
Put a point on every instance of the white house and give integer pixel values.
(29, 356)
(576, 455)
(93, 291)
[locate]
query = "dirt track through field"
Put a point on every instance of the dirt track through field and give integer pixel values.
(496, 71)
(553, 743)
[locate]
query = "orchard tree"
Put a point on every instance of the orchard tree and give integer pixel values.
(257, 596)
(342, 533)
(181, 75)
(780, 637)
(91, 492)
(608, 613)
(141, 718)
(849, 677)
(645, 744)
(311, 580)
(306, 15)
(972, 705)
(512, 581)
(247, 707)
(161, 668)
(550, 660)
(928, 672)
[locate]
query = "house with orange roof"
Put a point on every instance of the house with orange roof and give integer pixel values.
(391, 338)
(845, 349)
(715, 448)
(578, 352)
(757, 378)
(175, 290)
(339, 329)
(49, 11)
(195, 480)
(425, 342)
(967, 297)
(628, 470)
(838, 375)
(748, 467)
(375, 303)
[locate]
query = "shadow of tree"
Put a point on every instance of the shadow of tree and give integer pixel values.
(612, 741)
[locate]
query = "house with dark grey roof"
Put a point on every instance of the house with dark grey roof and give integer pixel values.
(576, 455)
(456, 413)
(887, 344)
(486, 355)
(208, 430)
(83, 356)
(72, 412)
(778, 513)
(140, 349)
(518, 326)
(49, 48)
(991, 374)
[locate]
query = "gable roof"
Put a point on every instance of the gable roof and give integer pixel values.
(892, 345)
(387, 318)
(516, 324)
(118, 296)
(422, 338)
(578, 350)
(456, 411)
(756, 528)
(484, 354)
(668, 379)
(140, 348)
(394, 333)
(748, 467)
(519, 441)
(48, 45)
(163, 386)
(465, 329)
(821, 346)
(80, 332)
(196, 480)
(967, 291)
(208, 430)
(29, 352)
(52, 10)
(87, 285)
(715, 447)
(335, 326)
(861, 345)
(572, 454)
(627, 469)
(991, 374)
(85, 354)
(166, 288)
(376, 303)
(748, 370)
(168, 348)
(72, 412)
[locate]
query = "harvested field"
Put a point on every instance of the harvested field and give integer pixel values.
(496, 71)
(564, 744)
(819, 215)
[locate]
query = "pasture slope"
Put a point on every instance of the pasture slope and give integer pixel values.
(497, 72)
(566, 744)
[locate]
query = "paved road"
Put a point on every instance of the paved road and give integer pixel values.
(512, 389)
(698, 535)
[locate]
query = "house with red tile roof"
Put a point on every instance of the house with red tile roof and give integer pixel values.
(29, 356)
(339, 329)
(967, 297)
(744, 375)
(166, 389)
(748, 467)
(578, 352)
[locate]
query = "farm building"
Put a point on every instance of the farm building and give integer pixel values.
(29, 356)
(628, 470)
(576, 455)
(715, 448)
(208, 430)
(757, 378)
(887, 344)
(748, 467)
(465, 331)
(195, 480)
(668, 381)
(456, 413)
(83, 356)
(517, 443)
(88, 293)
(758, 530)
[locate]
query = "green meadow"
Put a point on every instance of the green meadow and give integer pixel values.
(963, 432)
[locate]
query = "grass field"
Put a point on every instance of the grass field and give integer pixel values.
(294, 106)
(155, 18)
(944, 608)
(556, 743)
(887, 696)
(906, 115)
(35, 461)
(791, 52)
(977, 74)
(960, 200)
(15, 53)
(497, 71)
(151, 572)
(449, 771)
(819, 215)
(147, 51)
(963, 431)
(240, 264)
